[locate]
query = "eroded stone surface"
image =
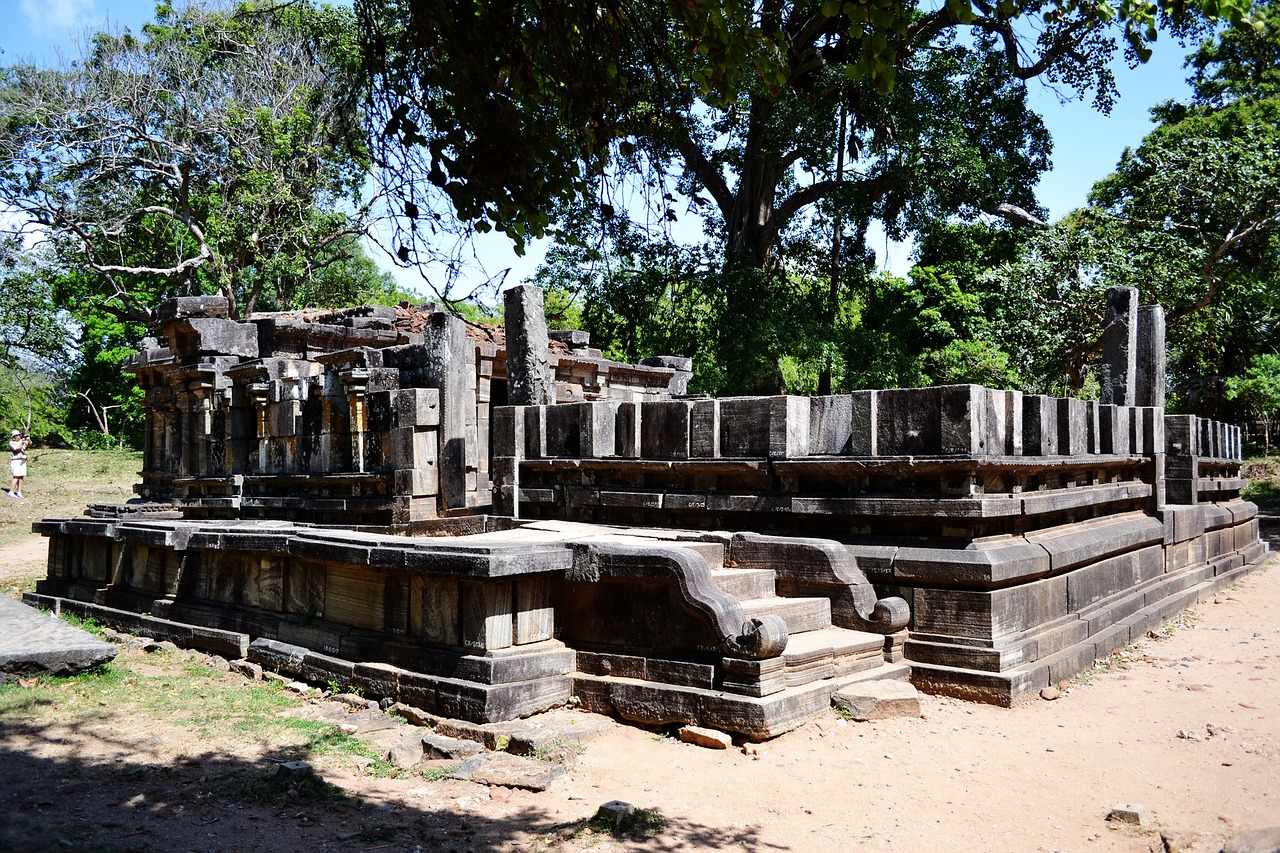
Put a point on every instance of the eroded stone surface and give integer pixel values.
(511, 771)
(878, 700)
(34, 642)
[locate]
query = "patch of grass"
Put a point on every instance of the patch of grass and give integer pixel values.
(60, 483)
(435, 774)
(640, 824)
(191, 696)
(559, 751)
(1265, 493)
(84, 623)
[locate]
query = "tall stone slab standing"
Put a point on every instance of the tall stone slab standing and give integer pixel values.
(1151, 356)
(528, 362)
(445, 367)
(1120, 347)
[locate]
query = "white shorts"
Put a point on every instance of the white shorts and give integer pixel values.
(17, 467)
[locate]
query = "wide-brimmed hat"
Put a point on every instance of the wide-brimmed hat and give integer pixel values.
(16, 432)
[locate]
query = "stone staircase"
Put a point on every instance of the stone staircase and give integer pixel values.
(649, 677)
(756, 698)
(816, 650)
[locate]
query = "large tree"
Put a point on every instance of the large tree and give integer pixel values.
(788, 128)
(218, 151)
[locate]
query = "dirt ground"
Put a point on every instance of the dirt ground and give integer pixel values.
(1186, 725)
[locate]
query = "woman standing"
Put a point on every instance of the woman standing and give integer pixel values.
(18, 444)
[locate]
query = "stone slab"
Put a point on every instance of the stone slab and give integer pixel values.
(878, 700)
(34, 642)
(511, 771)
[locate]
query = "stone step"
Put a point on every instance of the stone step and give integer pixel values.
(800, 614)
(744, 584)
(830, 653)
(712, 552)
(753, 717)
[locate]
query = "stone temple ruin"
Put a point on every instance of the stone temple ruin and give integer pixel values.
(486, 526)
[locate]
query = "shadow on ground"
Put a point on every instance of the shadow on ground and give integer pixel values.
(63, 787)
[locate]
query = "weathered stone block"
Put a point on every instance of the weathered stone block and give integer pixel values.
(417, 407)
(878, 700)
(529, 378)
(597, 429)
(949, 421)
(744, 427)
(1003, 433)
(1039, 425)
(831, 425)
(704, 429)
(486, 614)
(664, 430)
(1073, 430)
(563, 431)
(788, 427)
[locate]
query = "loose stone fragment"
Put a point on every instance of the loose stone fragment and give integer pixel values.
(512, 771)
(1178, 840)
(615, 812)
(1050, 693)
(295, 771)
(710, 738)
(408, 752)
(1130, 813)
(443, 746)
(878, 700)
(412, 715)
(247, 668)
(31, 642)
(1265, 840)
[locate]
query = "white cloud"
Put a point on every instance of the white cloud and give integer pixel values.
(49, 16)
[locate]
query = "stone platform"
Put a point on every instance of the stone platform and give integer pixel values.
(658, 626)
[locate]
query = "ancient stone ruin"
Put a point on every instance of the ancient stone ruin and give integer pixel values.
(486, 525)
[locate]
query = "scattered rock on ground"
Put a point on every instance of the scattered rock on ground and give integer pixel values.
(878, 700)
(1130, 813)
(442, 746)
(1265, 840)
(407, 752)
(1050, 693)
(1179, 840)
(512, 771)
(247, 668)
(710, 738)
(615, 811)
(412, 715)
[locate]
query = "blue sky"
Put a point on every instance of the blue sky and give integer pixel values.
(1086, 143)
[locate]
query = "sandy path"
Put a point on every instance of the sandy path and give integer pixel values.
(24, 558)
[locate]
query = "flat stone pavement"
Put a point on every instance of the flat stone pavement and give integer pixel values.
(34, 642)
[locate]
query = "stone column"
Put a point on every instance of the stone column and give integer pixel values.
(1120, 347)
(445, 368)
(529, 381)
(356, 383)
(260, 393)
(1151, 356)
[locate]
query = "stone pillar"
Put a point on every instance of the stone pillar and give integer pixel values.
(445, 368)
(1151, 356)
(529, 381)
(1120, 347)
(356, 383)
(260, 393)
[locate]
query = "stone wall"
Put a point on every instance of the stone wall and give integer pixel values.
(368, 416)
(1028, 534)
